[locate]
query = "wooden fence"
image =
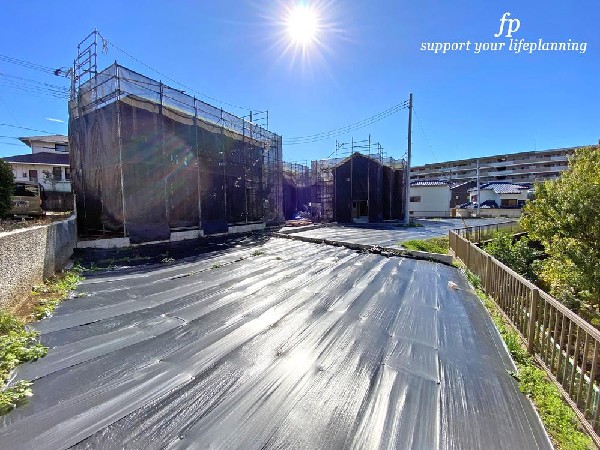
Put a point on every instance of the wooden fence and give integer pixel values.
(484, 232)
(565, 344)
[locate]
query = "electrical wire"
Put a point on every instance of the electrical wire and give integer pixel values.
(348, 128)
(9, 112)
(425, 136)
(25, 128)
(105, 41)
(27, 64)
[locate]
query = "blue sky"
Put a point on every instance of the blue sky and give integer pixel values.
(368, 59)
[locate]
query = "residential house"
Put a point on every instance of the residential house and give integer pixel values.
(48, 164)
(506, 195)
(429, 198)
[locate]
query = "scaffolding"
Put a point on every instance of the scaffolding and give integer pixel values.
(296, 189)
(149, 159)
(377, 188)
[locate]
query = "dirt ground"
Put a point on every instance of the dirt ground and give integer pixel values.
(10, 224)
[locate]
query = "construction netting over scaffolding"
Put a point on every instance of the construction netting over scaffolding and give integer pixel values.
(149, 159)
(362, 185)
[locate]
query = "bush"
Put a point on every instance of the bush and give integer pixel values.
(518, 255)
(564, 217)
(7, 186)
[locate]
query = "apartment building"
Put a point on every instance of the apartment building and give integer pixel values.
(523, 167)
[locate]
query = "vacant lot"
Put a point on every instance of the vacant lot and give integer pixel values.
(281, 344)
(390, 236)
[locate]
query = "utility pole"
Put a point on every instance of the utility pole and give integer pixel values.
(407, 177)
(478, 190)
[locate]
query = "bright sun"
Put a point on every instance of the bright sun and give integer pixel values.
(302, 25)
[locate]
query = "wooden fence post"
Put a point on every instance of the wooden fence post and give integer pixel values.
(535, 296)
(488, 273)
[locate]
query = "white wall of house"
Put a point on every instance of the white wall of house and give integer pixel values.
(486, 194)
(49, 147)
(489, 194)
(45, 175)
(430, 201)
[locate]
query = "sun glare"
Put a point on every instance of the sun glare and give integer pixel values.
(302, 25)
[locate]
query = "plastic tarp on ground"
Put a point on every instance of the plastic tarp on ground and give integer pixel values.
(149, 159)
(293, 346)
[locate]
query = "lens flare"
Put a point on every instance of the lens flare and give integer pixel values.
(302, 25)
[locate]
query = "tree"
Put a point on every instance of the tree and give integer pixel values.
(517, 254)
(564, 217)
(7, 186)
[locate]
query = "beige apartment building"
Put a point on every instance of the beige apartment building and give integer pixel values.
(523, 167)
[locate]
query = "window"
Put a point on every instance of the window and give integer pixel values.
(67, 173)
(57, 173)
(25, 190)
(33, 175)
(24, 174)
(61, 148)
(415, 199)
(508, 203)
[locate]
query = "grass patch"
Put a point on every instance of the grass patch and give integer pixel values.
(257, 253)
(432, 245)
(17, 345)
(557, 416)
(52, 292)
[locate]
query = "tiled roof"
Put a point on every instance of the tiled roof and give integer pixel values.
(502, 188)
(429, 183)
(40, 158)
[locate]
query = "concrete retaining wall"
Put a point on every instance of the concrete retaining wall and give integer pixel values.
(386, 251)
(29, 255)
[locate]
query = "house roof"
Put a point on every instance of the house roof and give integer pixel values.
(53, 159)
(54, 138)
(502, 187)
(430, 183)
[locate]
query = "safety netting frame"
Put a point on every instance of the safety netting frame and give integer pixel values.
(149, 159)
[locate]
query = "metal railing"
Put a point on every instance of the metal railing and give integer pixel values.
(563, 343)
(484, 232)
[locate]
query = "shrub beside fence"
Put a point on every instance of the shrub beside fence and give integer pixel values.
(565, 344)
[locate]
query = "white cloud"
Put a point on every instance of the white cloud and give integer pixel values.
(55, 120)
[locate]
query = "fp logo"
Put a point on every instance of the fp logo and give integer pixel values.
(513, 25)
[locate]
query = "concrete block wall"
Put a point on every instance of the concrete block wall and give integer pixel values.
(30, 255)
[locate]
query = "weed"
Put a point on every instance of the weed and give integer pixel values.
(433, 245)
(216, 266)
(278, 258)
(558, 418)
(17, 345)
(14, 396)
(257, 253)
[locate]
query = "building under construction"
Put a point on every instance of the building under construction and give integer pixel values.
(364, 186)
(149, 160)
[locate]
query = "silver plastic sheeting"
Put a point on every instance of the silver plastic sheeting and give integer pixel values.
(284, 345)
(389, 235)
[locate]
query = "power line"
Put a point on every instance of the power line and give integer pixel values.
(33, 86)
(25, 128)
(104, 40)
(425, 136)
(8, 110)
(348, 128)
(27, 64)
